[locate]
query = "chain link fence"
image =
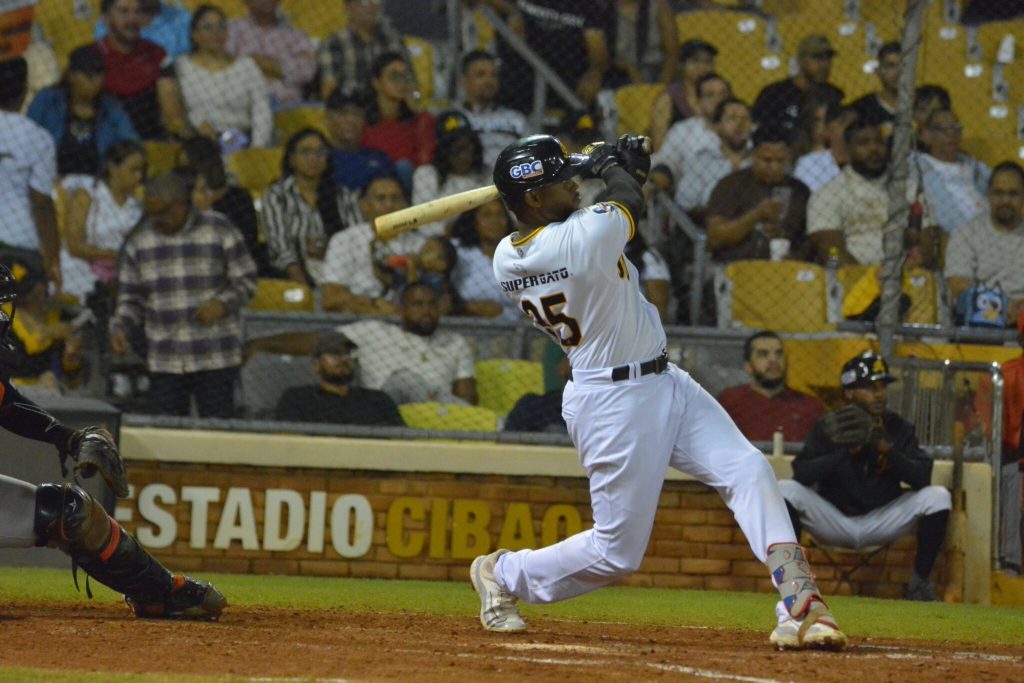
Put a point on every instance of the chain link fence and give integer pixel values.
(189, 188)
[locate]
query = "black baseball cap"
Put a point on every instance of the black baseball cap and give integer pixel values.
(534, 162)
(87, 59)
(865, 369)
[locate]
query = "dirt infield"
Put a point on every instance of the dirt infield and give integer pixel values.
(268, 644)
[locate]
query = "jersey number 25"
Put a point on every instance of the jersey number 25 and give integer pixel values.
(552, 318)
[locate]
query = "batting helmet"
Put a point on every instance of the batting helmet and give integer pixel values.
(533, 162)
(866, 368)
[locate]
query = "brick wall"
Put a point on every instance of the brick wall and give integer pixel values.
(430, 526)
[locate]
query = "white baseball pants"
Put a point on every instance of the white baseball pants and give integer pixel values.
(17, 513)
(628, 434)
(897, 518)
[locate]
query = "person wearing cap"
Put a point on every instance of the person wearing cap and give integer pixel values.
(496, 125)
(847, 487)
(335, 399)
(576, 130)
(780, 102)
(82, 120)
(680, 101)
(457, 166)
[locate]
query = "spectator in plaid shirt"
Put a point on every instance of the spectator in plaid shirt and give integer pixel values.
(346, 56)
(184, 275)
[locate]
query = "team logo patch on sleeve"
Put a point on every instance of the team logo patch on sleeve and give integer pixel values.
(602, 208)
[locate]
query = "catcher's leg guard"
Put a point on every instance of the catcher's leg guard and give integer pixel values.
(68, 518)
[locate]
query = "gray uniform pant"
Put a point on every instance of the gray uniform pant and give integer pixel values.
(897, 518)
(17, 513)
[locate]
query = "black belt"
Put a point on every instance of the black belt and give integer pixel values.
(648, 367)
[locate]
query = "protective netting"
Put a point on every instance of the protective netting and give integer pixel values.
(289, 125)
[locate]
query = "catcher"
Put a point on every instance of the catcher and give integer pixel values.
(847, 481)
(66, 517)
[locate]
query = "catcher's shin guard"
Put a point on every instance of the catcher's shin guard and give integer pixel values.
(69, 518)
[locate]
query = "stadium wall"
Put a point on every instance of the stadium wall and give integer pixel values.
(209, 501)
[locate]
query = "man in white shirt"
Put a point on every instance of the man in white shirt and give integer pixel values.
(415, 362)
(28, 171)
(686, 138)
(351, 280)
(955, 182)
(732, 125)
(990, 248)
(497, 126)
(846, 217)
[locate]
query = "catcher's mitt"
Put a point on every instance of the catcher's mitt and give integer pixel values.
(850, 427)
(634, 152)
(94, 451)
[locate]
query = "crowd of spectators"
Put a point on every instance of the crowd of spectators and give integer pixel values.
(796, 172)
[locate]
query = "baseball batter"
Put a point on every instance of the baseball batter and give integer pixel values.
(66, 517)
(630, 413)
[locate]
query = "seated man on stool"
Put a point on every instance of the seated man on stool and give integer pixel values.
(847, 481)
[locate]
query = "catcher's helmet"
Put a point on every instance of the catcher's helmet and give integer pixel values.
(533, 162)
(866, 368)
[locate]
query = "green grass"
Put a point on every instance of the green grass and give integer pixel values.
(860, 617)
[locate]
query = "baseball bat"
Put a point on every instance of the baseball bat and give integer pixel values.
(397, 222)
(956, 535)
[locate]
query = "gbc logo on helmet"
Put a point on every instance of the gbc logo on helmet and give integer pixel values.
(528, 169)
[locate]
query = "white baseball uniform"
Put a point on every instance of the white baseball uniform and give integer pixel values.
(573, 281)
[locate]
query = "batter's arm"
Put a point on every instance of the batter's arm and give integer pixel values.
(622, 188)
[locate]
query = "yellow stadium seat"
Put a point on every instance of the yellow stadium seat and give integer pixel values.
(634, 104)
(317, 18)
(255, 169)
(859, 286)
(448, 417)
(991, 34)
(292, 121)
(743, 58)
(160, 156)
(500, 382)
(786, 296)
(67, 24)
(422, 54)
(813, 365)
(281, 295)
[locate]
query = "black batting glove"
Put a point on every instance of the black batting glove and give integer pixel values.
(601, 157)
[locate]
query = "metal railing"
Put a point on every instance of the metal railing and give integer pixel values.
(938, 398)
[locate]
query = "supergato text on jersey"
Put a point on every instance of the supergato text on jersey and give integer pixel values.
(532, 280)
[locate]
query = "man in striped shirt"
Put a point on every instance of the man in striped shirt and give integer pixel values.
(184, 276)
